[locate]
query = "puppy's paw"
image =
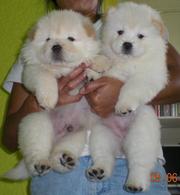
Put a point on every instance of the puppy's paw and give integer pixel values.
(137, 182)
(100, 64)
(96, 173)
(125, 106)
(63, 161)
(132, 188)
(67, 160)
(40, 167)
(47, 99)
(92, 75)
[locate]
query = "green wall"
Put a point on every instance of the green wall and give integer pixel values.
(16, 17)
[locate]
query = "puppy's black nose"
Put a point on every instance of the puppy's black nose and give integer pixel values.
(127, 47)
(56, 48)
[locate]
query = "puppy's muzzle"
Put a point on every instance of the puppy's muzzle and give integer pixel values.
(57, 52)
(127, 48)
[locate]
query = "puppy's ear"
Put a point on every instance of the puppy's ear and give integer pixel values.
(159, 24)
(162, 28)
(32, 33)
(88, 26)
(108, 14)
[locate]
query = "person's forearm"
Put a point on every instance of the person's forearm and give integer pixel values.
(171, 94)
(10, 135)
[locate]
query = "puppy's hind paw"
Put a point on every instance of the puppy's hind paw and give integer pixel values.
(42, 167)
(63, 161)
(136, 184)
(132, 189)
(38, 167)
(67, 161)
(95, 174)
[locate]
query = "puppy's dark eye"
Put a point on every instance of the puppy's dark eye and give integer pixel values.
(48, 39)
(120, 32)
(140, 36)
(71, 38)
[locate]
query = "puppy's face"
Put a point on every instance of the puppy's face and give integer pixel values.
(62, 37)
(130, 30)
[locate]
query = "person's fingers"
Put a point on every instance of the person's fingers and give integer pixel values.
(74, 83)
(63, 81)
(92, 86)
(70, 99)
(77, 71)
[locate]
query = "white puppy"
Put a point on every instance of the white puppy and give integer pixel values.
(59, 43)
(134, 39)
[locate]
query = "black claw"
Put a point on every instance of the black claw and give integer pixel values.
(89, 173)
(64, 155)
(62, 161)
(71, 164)
(69, 159)
(43, 167)
(94, 171)
(100, 177)
(101, 171)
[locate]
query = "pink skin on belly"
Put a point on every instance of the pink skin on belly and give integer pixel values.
(65, 122)
(119, 125)
(67, 118)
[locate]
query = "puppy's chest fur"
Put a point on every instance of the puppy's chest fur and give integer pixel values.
(57, 70)
(125, 69)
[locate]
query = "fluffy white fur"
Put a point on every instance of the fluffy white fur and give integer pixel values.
(69, 31)
(143, 70)
(59, 43)
(134, 39)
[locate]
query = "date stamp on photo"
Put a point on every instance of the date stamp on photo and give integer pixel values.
(171, 177)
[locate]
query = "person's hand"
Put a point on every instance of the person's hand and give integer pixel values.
(70, 82)
(102, 95)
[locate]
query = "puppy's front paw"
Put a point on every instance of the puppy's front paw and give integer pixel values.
(47, 99)
(101, 64)
(63, 161)
(92, 75)
(125, 106)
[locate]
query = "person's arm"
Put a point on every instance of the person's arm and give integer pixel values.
(23, 103)
(85, 7)
(103, 93)
(171, 94)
